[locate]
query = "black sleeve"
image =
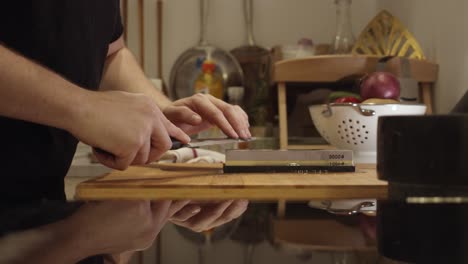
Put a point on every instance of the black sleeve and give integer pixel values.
(118, 27)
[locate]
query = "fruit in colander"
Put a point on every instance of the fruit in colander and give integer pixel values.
(383, 85)
(348, 99)
(341, 94)
(350, 127)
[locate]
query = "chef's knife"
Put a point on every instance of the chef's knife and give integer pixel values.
(196, 143)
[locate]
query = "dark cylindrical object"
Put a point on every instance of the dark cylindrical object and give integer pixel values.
(425, 161)
(423, 149)
(462, 105)
(423, 233)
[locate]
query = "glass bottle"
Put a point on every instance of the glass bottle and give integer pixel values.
(344, 38)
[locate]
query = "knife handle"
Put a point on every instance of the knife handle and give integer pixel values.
(176, 144)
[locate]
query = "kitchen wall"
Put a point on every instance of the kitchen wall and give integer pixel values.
(275, 22)
(441, 27)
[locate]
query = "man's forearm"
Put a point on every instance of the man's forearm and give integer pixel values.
(48, 244)
(33, 93)
(122, 72)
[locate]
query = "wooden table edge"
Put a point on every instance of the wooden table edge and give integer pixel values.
(272, 193)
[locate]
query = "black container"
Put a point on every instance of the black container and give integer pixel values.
(429, 150)
(423, 233)
(425, 161)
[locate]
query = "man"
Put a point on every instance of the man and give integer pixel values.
(65, 75)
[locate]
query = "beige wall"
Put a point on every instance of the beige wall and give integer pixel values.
(440, 26)
(275, 22)
(442, 30)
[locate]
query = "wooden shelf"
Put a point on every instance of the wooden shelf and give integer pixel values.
(326, 234)
(331, 68)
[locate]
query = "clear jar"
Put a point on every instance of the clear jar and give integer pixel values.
(344, 39)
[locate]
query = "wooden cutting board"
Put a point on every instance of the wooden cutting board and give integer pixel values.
(198, 184)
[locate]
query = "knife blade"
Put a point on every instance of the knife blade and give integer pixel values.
(196, 143)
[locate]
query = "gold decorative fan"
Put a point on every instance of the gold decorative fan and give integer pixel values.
(385, 35)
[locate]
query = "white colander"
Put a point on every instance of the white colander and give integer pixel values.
(354, 126)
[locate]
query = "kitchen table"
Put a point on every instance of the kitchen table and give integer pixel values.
(199, 183)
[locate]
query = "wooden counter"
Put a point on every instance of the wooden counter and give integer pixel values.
(154, 183)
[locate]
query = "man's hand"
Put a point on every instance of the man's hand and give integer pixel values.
(129, 129)
(201, 111)
(205, 216)
(193, 114)
(117, 226)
